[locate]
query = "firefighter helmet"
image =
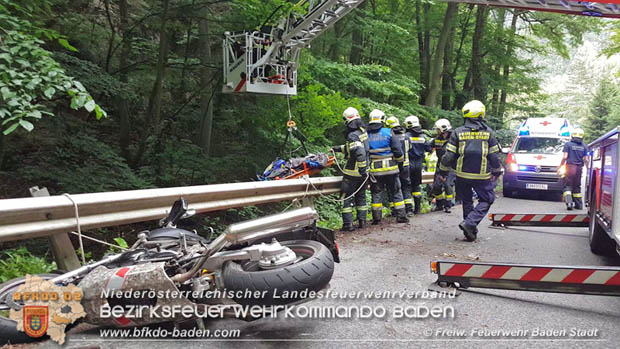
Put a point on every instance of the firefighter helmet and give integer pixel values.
(376, 117)
(474, 110)
(392, 122)
(349, 115)
(412, 121)
(577, 133)
(443, 125)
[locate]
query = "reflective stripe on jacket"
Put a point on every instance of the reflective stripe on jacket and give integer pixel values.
(355, 152)
(472, 151)
(385, 151)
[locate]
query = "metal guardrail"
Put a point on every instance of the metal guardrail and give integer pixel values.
(54, 216)
(40, 216)
(25, 218)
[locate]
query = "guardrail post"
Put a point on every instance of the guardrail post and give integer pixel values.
(64, 253)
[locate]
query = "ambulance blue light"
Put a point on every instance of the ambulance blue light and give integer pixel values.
(522, 168)
(524, 131)
(564, 131)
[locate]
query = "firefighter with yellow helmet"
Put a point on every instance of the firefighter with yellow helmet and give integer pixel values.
(386, 156)
(473, 152)
(575, 156)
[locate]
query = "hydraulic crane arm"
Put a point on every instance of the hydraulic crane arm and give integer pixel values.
(267, 63)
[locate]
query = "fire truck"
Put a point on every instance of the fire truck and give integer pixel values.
(601, 190)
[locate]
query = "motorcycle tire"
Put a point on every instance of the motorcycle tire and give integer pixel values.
(8, 328)
(268, 287)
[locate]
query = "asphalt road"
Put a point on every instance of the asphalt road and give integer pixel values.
(395, 257)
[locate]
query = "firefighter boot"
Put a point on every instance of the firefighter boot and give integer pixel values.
(401, 216)
(568, 199)
(447, 204)
(347, 227)
(376, 217)
(577, 204)
(418, 205)
(362, 224)
(469, 231)
(409, 209)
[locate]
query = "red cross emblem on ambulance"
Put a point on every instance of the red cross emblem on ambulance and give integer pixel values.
(545, 123)
(539, 157)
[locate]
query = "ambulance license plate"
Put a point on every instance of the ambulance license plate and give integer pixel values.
(536, 186)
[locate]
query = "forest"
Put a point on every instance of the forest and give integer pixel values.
(105, 95)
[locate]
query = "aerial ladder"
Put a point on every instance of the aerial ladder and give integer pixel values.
(265, 61)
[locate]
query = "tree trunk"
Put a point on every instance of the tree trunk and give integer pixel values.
(476, 56)
(123, 104)
(440, 48)
(506, 69)
(153, 110)
(334, 47)
(499, 39)
(206, 98)
(423, 50)
(2, 147)
(447, 77)
(357, 38)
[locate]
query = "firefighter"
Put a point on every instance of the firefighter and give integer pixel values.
(355, 171)
(417, 147)
(575, 156)
(442, 189)
(386, 156)
(405, 182)
(473, 152)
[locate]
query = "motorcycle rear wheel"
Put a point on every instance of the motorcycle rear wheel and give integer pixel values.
(312, 273)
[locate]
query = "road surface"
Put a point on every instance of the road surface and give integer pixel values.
(395, 257)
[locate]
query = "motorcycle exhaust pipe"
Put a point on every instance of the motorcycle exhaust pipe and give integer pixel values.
(252, 230)
(267, 226)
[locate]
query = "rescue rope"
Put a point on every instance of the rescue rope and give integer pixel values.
(79, 231)
(79, 227)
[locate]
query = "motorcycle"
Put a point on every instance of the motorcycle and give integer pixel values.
(247, 263)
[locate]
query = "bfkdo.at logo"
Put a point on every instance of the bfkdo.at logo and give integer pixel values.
(35, 320)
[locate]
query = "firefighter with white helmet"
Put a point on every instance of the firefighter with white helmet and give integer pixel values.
(575, 156)
(473, 152)
(355, 171)
(442, 190)
(405, 182)
(417, 147)
(386, 156)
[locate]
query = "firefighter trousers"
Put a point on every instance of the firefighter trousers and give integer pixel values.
(415, 177)
(442, 191)
(405, 188)
(572, 187)
(485, 189)
(390, 182)
(357, 201)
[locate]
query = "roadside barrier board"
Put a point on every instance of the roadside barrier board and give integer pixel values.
(539, 220)
(522, 277)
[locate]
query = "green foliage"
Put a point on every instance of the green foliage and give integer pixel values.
(604, 110)
(329, 212)
(18, 262)
(81, 164)
(29, 76)
(370, 81)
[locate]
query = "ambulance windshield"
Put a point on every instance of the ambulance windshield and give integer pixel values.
(539, 145)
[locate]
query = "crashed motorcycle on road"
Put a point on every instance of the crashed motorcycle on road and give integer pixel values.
(284, 252)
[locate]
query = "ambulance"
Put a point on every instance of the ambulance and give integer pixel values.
(534, 158)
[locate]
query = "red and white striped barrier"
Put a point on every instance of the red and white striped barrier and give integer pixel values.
(543, 220)
(562, 279)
